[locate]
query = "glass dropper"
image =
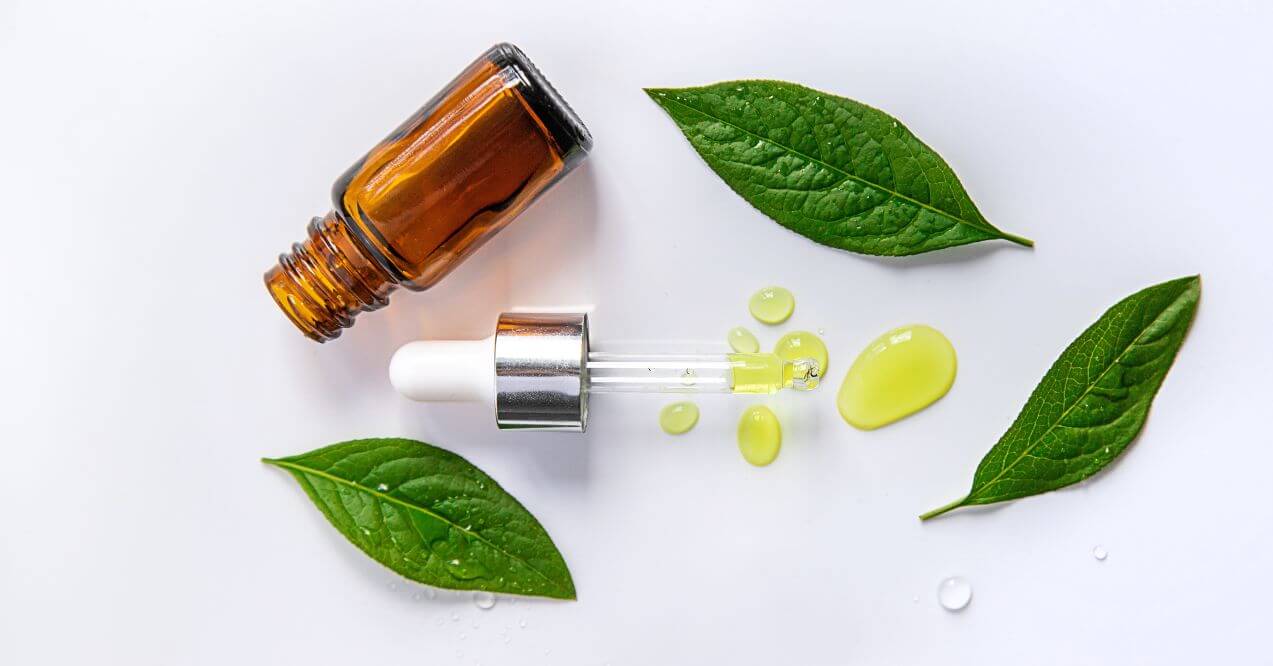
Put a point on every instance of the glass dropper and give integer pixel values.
(538, 370)
(757, 373)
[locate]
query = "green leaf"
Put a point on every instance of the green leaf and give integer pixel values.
(829, 168)
(1093, 401)
(431, 516)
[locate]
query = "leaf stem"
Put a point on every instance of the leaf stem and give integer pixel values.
(943, 509)
(1019, 240)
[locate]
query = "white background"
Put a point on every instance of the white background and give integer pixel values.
(157, 157)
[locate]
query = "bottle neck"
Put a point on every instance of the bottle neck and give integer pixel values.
(327, 279)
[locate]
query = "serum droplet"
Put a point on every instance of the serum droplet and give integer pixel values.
(678, 418)
(803, 344)
(1100, 553)
(898, 374)
(743, 341)
(954, 593)
(759, 435)
(484, 600)
(772, 305)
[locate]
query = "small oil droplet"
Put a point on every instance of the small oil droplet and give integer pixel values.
(743, 341)
(484, 600)
(772, 305)
(898, 374)
(759, 435)
(1100, 553)
(803, 344)
(954, 593)
(678, 418)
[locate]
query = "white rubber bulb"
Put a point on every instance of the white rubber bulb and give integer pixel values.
(445, 370)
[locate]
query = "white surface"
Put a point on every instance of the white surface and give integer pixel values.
(157, 157)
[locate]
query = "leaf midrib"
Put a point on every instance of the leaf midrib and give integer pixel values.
(1034, 444)
(410, 507)
(986, 228)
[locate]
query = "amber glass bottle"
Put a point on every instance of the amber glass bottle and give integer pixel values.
(431, 193)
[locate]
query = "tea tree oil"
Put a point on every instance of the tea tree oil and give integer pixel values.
(431, 193)
(802, 344)
(759, 435)
(772, 305)
(898, 374)
(678, 418)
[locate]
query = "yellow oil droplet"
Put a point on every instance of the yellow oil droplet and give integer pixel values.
(772, 305)
(803, 344)
(898, 374)
(742, 341)
(678, 417)
(759, 435)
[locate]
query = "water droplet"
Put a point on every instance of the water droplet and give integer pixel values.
(954, 593)
(438, 621)
(415, 597)
(463, 635)
(1100, 553)
(465, 569)
(382, 487)
(822, 331)
(455, 617)
(484, 600)
(522, 623)
(915, 599)
(431, 593)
